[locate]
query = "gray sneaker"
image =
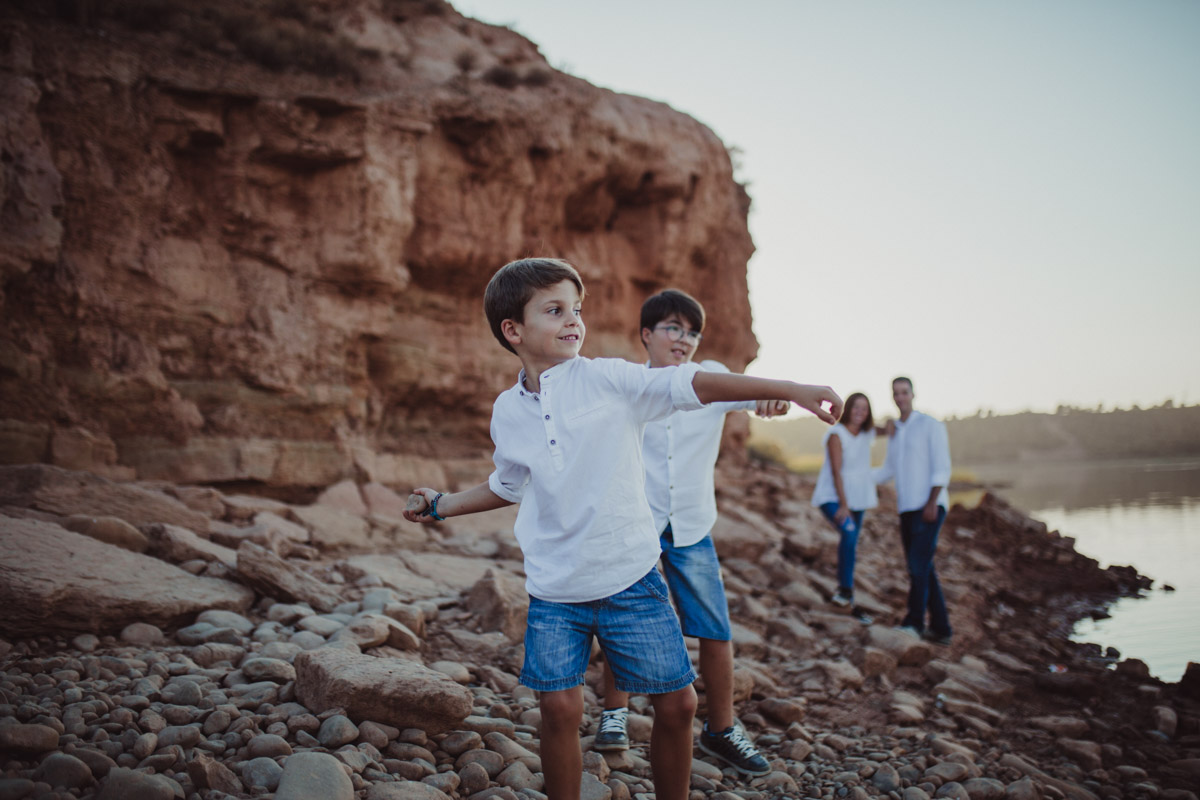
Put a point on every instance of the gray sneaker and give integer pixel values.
(732, 747)
(612, 734)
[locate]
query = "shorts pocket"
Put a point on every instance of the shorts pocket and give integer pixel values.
(655, 586)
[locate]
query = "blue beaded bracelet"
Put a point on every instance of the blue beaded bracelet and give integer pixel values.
(433, 508)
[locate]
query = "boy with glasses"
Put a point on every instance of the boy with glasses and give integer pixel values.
(680, 452)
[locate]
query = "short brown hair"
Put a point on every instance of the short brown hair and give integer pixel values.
(672, 301)
(514, 284)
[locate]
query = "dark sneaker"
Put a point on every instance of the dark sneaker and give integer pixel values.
(612, 734)
(732, 747)
(861, 616)
(842, 598)
(936, 638)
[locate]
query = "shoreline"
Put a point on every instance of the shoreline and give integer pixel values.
(839, 708)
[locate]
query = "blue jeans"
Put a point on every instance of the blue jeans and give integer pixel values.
(848, 545)
(920, 540)
(694, 576)
(638, 632)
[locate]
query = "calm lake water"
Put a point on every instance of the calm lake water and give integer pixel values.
(1145, 513)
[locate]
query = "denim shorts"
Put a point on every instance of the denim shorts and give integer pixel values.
(638, 632)
(697, 590)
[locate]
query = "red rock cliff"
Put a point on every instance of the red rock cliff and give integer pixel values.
(219, 266)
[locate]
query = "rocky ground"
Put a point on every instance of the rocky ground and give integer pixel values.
(166, 641)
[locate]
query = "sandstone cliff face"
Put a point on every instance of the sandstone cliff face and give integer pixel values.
(213, 271)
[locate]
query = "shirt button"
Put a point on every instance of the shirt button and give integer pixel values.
(547, 416)
(552, 441)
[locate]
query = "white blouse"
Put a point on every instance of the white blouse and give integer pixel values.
(857, 479)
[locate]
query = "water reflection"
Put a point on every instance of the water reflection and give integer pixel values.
(1078, 485)
(1145, 513)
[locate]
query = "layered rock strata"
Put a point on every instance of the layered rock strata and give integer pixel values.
(216, 270)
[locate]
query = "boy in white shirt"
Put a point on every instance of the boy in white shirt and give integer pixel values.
(568, 442)
(680, 452)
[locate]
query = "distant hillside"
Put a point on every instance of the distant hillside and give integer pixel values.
(1069, 433)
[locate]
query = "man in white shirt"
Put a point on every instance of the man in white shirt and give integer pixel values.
(918, 458)
(680, 452)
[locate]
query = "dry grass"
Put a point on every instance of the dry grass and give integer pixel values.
(278, 34)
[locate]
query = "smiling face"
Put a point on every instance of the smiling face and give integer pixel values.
(662, 351)
(859, 412)
(552, 330)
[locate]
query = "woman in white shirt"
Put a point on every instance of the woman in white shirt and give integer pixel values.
(845, 487)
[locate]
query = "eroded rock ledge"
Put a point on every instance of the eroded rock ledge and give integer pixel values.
(216, 272)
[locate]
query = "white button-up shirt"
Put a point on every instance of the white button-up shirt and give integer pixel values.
(680, 453)
(918, 457)
(857, 480)
(572, 457)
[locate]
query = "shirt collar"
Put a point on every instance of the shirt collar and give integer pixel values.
(551, 371)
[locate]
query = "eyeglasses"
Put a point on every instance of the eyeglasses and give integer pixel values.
(675, 333)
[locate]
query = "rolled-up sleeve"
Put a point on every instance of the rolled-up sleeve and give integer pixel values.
(508, 480)
(683, 394)
(939, 455)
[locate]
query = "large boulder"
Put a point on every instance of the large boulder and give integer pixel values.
(66, 493)
(273, 576)
(403, 694)
(54, 580)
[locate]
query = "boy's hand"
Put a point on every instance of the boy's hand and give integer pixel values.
(417, 509)
(814, 398)
(772, 408)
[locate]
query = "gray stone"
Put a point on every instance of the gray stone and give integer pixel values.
(322, 626)
(1023, 789)
(31, 738)
(262, 772)
(219, 618)
(183, 735)
(915, 793)
(473, 778)
(268, 745)
(314, 776)
(15, 788)
(953, 791)
(268, 669)
(306, 640)
(984, 789)
(948, 771)
(60, 769)
(208, 773)
(517, 776)
(128, 784)
(405, 790)
(182, 692)
(99, 763)
(592, 789)
(491, 761)
(142, 633)
(86, 642)
(337, 731)
(885, 778)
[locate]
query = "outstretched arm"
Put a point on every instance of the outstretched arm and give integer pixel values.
(713, 387)
(473, 500)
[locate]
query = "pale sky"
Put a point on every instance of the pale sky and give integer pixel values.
(999, 199)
